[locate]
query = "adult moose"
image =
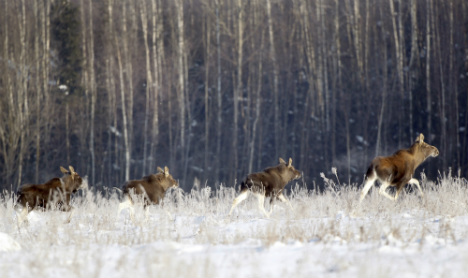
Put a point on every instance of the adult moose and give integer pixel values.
(54, 193)
(398, 169)
(151, 188)
(269, 183)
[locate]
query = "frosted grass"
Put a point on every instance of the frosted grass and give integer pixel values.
(328, 234)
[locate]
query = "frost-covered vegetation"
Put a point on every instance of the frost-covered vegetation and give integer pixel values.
(328, 234)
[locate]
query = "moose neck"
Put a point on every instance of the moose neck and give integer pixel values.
(65, 181)
(286, 175)
(164, 182)
(419, 154)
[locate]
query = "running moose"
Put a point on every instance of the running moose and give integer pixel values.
(151, 188)
(54, 193)
(398, 169)
(269, 183)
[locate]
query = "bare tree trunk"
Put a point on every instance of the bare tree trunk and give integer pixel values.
(85, 71)
(337, 76)
(348, 145)
(323, 83)
(47, 103)
(314, 82)
(89, 75)
(112, 147)
(358, 39)
(207, 40)
(124, 114)
(11, 127)
(23, 103)
(237, 92)
(181, 67)
(149, 83)
(384, 95)
(275, 79)
(219, 117)
(158, 54)
(183, 100)
(93, 89)
(399, 46)
(129, 36)
(428, 65)
(442, 100)
(366, 44)
(396, 40)
(258, 100)
(38, 88)
(67, 130)
(413, 64)
(453, 83)
(354, 25)
(112, 114)
(8, 87)
(122, 96)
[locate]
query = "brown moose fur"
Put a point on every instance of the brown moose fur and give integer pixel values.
(269, 183)
(55, 192)
(151, 188)
(398, 169)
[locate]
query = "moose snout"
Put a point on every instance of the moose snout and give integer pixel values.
(84, 184)
(435, 152)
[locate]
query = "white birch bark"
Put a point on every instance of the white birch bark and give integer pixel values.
(428, 64)
(181, 68)
(93, 91)
(149, 82)
(273, 59)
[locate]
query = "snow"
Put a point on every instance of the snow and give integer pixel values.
(7, 243)
(327, 235)
(115, 131)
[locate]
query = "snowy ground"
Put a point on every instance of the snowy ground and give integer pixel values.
(327, 235)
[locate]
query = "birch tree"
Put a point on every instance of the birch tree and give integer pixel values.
(157, 62)
(428, 63)
(275, 78)
(182, 69)
(149, 82)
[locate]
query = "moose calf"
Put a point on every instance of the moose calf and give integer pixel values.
(151, 188)
(398, 169)
(54, 193)
(269, 183)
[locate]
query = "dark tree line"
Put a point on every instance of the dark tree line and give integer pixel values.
(217, 89)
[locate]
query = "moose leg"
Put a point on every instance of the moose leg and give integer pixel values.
(126, 204)
(146, 212)
(23, 215)
(369, 182)
(261, 203)
(399, 189)
(416, 182)
(284, 200)
(239, 199)
(72, 211)
(383, 191)
(272, 203)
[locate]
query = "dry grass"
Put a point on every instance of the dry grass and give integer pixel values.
(332, 218)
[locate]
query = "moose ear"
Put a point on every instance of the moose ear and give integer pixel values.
(63, 170)
(160, 170)
(420, 139)
(290, 162)
(282, 161)
(166, 171)
(71, 169)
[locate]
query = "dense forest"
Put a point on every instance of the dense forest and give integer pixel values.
(215, 89)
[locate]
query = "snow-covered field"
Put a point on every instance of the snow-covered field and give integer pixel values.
(327, 235)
